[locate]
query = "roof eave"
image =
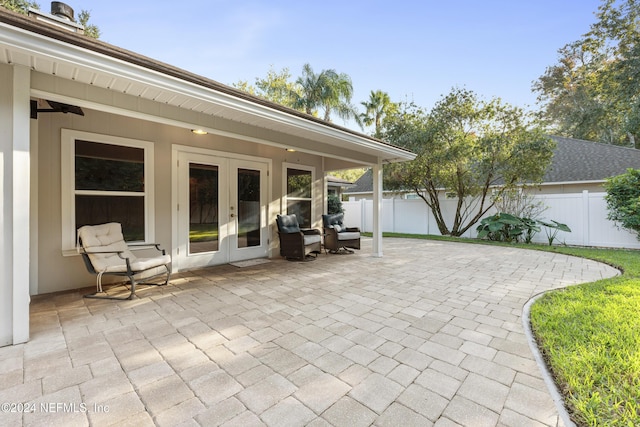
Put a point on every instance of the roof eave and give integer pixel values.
(39, 42)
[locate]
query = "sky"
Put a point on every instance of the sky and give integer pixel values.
(413, 50)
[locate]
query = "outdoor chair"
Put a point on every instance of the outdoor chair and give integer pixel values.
(105, 252)
(337, 237)
(297, 243)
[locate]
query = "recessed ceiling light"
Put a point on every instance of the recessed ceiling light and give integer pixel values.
(291, 150)
(199, 131)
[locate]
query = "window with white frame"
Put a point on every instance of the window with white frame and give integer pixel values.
(106, 179)
(299, 187)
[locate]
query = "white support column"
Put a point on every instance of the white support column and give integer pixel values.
(377, 210)
(14, 211)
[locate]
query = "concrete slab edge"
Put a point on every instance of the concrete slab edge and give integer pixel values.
(546, 374)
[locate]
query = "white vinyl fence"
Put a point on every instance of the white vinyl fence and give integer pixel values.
(585, 213)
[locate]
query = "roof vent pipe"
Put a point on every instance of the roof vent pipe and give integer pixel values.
(62, 10)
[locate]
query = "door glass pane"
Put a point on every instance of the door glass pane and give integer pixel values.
(127, 210)
(203, 208)
(248, 208)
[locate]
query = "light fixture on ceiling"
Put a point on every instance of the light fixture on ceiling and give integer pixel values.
(290, 150)
(199, 131)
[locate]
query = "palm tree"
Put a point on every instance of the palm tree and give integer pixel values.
(378, 106)
(309, 97)
(327, 90)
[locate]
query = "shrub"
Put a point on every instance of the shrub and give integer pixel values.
(623, 200)
(504, 227)
(334, 205)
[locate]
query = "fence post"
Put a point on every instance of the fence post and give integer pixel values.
(393, 214)
(586, 225)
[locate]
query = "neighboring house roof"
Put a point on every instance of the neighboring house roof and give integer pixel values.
(334, 181)
(577, 160)
(55, 51)
(574, 160)
(364, 184)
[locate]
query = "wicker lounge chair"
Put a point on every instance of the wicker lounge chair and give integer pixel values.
(337, 237)
(297, 243)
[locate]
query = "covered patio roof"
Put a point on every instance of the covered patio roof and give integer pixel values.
(54, 51)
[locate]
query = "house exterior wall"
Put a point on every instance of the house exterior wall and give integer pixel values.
(568, 188)
(58, 272)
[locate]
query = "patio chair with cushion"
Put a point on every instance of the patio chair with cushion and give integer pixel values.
(297, 243)
(105, 252)
(337, 237)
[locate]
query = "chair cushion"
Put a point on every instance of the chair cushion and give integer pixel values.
(348, 235)
(332, 220)
(288, 224)
(105, 238)
(310, 239)
(140, 264)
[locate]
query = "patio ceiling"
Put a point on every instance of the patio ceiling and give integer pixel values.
(52, 51)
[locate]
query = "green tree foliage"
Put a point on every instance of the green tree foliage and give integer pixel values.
(376, 108)
(472, 149)
(623, 200)
(350, 175)
(276, 86)
(22, 6)
(593, 92)
(328, 91)
(90, 30)
(334, 204)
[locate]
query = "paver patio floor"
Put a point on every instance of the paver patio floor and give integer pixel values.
(430, 334)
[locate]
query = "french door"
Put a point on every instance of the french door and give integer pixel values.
(221, 210)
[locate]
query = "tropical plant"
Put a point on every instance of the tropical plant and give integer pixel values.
(552, 228)
(623, 200)
(327, 90)
(376, 108)
(470, 149)
(504, 227)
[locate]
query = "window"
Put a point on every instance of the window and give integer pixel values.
(299, 195)
(106, 179)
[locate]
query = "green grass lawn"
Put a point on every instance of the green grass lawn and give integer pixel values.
(589, 335)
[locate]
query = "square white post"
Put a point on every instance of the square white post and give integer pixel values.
(14, 208)
(377, 210)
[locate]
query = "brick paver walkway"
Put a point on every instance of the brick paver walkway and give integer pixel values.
(430, 334)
